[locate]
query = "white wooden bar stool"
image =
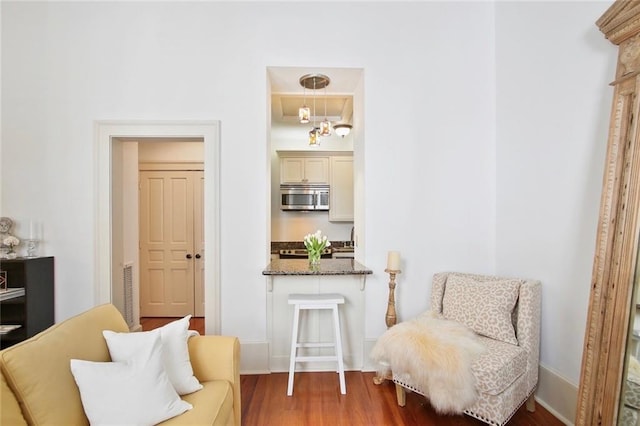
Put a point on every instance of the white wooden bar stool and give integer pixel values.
(309, 302)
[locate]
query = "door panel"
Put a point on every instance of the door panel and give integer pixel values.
(156, 286)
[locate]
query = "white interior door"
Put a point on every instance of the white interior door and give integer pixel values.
(170, 216)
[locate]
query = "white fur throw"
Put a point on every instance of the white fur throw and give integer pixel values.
(434, 355)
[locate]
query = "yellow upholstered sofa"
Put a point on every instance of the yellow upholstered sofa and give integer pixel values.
(37, 386)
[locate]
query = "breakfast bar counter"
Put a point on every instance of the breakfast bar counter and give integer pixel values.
(287, 276)
(326, 267)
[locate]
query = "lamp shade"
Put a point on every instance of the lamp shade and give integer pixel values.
(313, 137)
(304, 114)
(325, 128)
(342, 129)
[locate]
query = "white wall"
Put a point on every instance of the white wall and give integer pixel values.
(553, 103)
(442, 183)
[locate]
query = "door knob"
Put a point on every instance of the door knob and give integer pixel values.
(198, 256)
(189, 256)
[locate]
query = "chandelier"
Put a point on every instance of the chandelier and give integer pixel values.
(314, 82)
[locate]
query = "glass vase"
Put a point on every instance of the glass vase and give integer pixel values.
(314, 258)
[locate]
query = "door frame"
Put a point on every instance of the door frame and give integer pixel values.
(110, 133)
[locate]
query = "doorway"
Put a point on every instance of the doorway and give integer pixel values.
(342, 103)
(110, 232)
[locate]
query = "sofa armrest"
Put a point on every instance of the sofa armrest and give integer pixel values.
(10, 413)
(218, 358)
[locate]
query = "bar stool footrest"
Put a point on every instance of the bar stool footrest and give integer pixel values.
(316, 358)
(316, 345)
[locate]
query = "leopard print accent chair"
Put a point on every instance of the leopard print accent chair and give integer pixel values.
(507, 373)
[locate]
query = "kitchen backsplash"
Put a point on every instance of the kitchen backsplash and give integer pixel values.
(276, 246)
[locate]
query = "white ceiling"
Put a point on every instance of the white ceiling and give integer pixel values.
(288, 95)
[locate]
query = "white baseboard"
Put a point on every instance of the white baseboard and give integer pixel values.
(254, 358)
(368, 365)
(281, 365)
(557, 395)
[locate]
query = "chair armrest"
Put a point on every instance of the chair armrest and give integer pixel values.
(218, 358)
(528, 325)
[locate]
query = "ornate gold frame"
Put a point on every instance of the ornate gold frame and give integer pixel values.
(618, 227)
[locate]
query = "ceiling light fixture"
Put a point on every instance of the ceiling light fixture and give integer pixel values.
(315, 81)
(314, 134)
(325, 125)
(314, 137)
(342, 129)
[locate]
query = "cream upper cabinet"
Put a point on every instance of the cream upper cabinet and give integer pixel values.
(304, 170)
(341, 192)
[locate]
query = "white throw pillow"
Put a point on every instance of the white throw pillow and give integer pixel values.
(175, 351)
(136, 392)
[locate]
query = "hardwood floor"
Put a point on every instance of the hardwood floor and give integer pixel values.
(317, 401)
(149, 323)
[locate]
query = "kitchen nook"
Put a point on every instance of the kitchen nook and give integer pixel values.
(346, 277)
(313, 187)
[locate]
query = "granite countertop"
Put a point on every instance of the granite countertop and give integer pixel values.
(327, 267)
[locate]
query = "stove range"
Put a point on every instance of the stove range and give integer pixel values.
(302, 253)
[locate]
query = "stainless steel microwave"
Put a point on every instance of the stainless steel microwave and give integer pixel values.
(304, 197)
